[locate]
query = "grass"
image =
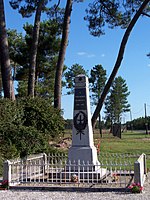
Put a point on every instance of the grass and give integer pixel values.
(131, 142)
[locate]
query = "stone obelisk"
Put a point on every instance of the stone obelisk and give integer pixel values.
(82, 148)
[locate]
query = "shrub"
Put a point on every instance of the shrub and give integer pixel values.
(27, 125)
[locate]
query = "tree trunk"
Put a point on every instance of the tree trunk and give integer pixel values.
(4, 57)
(36, 79)
(61, 57)
(0, 83)
(118, 62)
(34, 47)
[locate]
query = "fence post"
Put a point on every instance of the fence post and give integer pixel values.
(45, 163)
(7, 171)
(137, 178)
(145, 166)
(140, 170)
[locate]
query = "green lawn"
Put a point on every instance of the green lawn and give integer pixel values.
(131, 142)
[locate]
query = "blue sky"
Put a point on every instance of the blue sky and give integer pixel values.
(89, 51)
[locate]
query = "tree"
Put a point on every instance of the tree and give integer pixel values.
(4, 57)
(26, 8)
(115, 13)
(0, 83)
(97, 82)
(48, 48)
(116, 102)
(26, 11)
(70, 75)
(138, 124)
(34, 47)
(61, 57)
(62, 52)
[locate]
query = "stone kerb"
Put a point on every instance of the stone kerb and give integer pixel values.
(140, 170)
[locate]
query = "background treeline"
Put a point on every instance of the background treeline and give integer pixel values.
(137, 124)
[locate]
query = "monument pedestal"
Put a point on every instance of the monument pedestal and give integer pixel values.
(85, 156)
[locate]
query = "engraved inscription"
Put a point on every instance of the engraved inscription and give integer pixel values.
(80, 99)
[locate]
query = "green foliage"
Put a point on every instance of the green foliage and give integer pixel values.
(70, 75)
(30, 135)
(40, 114)
(116, 102)
(97, 82)
(48, 48)
(139, 123)
(111, 13)
(22, 89)
(25, 7)
(27, 125)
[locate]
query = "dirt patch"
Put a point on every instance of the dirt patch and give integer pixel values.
(64, 143)
(146, 139)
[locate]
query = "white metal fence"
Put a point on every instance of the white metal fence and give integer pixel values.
(114, 170)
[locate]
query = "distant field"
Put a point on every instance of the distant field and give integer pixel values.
(131, 142)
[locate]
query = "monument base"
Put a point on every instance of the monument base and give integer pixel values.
(85, 157)
(86, 154)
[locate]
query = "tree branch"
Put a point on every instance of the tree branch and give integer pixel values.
(147, 15)
(57, 5)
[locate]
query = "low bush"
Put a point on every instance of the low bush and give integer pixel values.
(27, 125)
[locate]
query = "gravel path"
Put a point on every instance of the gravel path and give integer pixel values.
(36, 195)
(51, 195)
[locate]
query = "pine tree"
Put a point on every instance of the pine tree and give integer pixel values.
(97, 82)
(70, 75)
(6, 71)
(116, 102)
(48, 48)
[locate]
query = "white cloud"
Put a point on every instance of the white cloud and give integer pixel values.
(82, 53)
(102, 55)
(88, 55)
